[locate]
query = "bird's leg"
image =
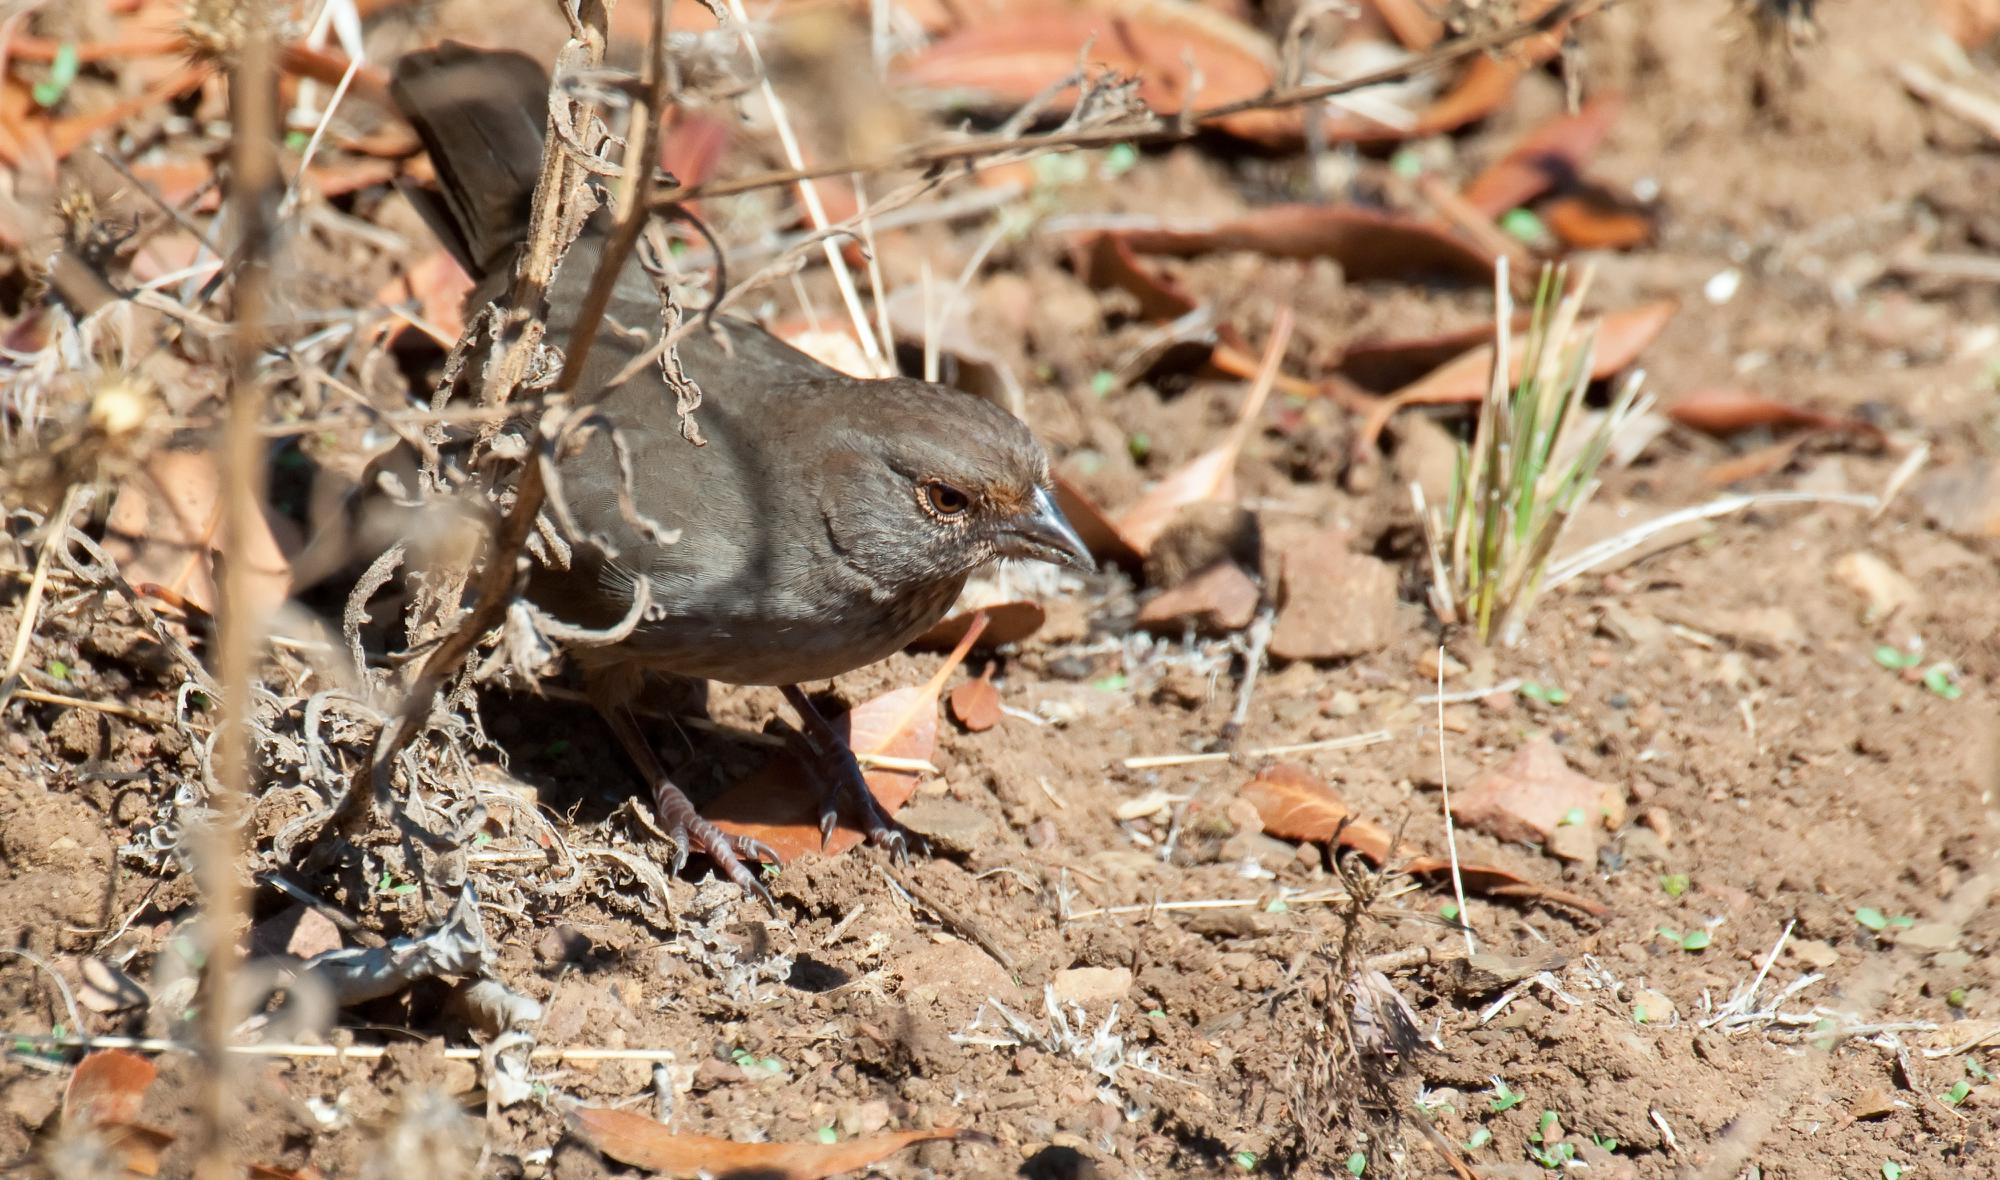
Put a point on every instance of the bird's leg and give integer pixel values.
(675, 809)
(840, 777)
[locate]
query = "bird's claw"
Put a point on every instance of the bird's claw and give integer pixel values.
(690, 832)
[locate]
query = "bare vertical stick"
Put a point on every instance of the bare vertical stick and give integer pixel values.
(815, 209)
(1451, 831)
(255, 190)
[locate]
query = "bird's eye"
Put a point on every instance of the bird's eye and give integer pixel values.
(944, 500)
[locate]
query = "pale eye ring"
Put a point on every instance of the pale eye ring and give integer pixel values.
(943, 500)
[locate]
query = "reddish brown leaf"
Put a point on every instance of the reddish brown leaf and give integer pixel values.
(639, 1141)
(108, 1087)
(976, 704)
(779, 804)
(1006, 622)
(1107, 260)
(1726, 411)
(1293, 804)
(1534, 796)
(1014, 57)
(1210, 475)
(163, 528)
(1387, 365)
(1368, 243)
(1550, 156)
(1621, 337)
(1590, 219)
(1759, 462)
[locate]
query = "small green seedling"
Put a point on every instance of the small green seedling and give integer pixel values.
(1103, 382)
(1604, 1141)
(1697, 940)
(828, 1135)
(1357, 1163)
(1956, 997)
(63, 70)
(1675, 884)
(1525, 226)
(1977, 1070)
(1448, 911)
(1959, 1092)
(1891, 1170)
(1942, 680)
(1553, 1157)
(1480, 1138)
(1896, 659)
(1119, 159)
(1503, 1098)
(1247, 1160)
(1139, 446)
(1574, 818)
(1548, 694)
(59, 671)
(1872, 918)
(1549, 1119)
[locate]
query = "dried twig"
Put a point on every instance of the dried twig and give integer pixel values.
(985, 150)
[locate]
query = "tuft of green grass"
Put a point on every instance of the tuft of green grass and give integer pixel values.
(1531, 466)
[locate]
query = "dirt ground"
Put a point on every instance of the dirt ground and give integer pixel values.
(1109, 972)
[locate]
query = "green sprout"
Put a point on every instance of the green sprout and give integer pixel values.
(62, 74)
(1548, 694)
(1523, 225)
(1675, 884)
(828, 1135)
(1503, 1098)
(1357, 1163)
(1531, 466)
(1896, 659)
(1480, 1138)
(1959, 1092)
(1942, 680)
(1247, 1160)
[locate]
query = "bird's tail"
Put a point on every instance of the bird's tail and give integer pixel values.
(481, 114)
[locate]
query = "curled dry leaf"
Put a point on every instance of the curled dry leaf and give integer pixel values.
(1293, 804)
(1368, 243)
(1534, 797)
(1549, 157)
(779, 804)
(1592, 219)
(108, 1087)
(1177, 50)
(1728, 411)
(639, 1141)
(1212, 474)
(165, 525)
(976, 704)
(1621, 337)
(1091, 523)
(1006, 622)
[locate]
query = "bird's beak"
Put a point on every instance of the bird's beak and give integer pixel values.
(1042, 533)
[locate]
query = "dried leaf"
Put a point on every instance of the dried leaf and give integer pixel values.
(1535, 794)
(1212, 474)
(1591, 219)
(1006, 622)
(1412, 21)
(976, 705)
(779, 804)
(108, 1087)
(1550, 156)
(165, 525)
(1294, 804)
(1727, 411)
(1368, 243)
(1014, 56)
(639, 1141)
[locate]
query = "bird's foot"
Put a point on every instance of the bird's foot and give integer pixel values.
(691, 832)
(841, 780)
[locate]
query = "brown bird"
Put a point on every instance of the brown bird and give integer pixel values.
(825, 522)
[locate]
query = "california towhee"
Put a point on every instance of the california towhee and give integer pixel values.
(824, 522)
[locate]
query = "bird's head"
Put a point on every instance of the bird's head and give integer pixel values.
(939, 484)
